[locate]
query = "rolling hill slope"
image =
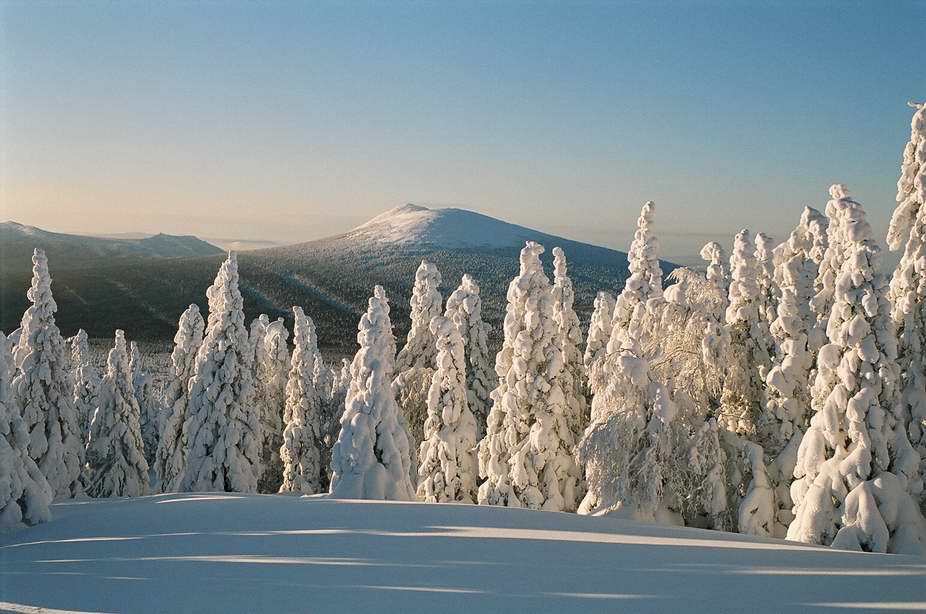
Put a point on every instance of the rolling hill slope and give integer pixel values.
(331, 278)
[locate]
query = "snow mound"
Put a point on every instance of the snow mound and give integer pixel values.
(223, 552)
(448, 228)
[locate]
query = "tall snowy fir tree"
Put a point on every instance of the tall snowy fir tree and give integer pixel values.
(464, 308)
(222, 427)
(85, 380)
(273, 372)
(596, 347)
(855, 463)
(834, 256)
(42, 390)
(115, 452)
(769, 293)
(786, 414)
(414, 364)
(717, 293)
(908, 286)
(569, 340)
(303, 437)
(169, 461)
(371, 458)
(25, 494)
(148, 402)
(526, 456)
(447, 462)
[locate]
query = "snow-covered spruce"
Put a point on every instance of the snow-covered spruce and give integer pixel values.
(332, 408)
(148, 403)
(25, 493)
(447, 466)
(222, 428)
(85, 382)
(371, 458)
(42, 392)
(303, 437)
(748, 356)
(769, 293)
(908, 286)
(596, 347)
(464, 308)
(169, 461)
(273, 372)
(115, 452)
(855, 462)
(526, 456)
(569, 340)
(834, 255)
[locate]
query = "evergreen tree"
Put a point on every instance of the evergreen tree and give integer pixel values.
(526, 456)
(596, 348)
(148, 402)
(222, 428)
(447, 472)
(303, 436)
(25, 493)
(115, 452)
(172, 445)
(85, 381)
(371, 458)
(855, 462)
(273, 373)
(569, 340)
(464, 308)
(41, 389)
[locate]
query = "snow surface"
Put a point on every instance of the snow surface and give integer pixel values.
(220, 552)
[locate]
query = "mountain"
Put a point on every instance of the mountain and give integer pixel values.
(331, 278)
(17, 241)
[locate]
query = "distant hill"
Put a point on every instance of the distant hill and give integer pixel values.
(17, 242)
(331, 278)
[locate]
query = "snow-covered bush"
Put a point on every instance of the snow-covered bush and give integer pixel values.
(42, 391)
(526, 456)
(908, 285)
(169, 461)
(85, 380)
(596, 347)
(24, 492)
(855, 463)
(414, 364)
(447, 469)
(569, 340)
(273, 372)
(148, 402)
(115, 452)
(303, 435)
(222, 428)
(371, 458)
(464, 308)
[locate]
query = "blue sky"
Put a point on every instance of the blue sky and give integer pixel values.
(291, 121)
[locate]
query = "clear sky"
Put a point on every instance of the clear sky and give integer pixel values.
(292, 121)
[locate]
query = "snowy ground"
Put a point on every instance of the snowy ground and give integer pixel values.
(223, 553)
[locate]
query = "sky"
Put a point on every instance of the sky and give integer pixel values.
(292, 121)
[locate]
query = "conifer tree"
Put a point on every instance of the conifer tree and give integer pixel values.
(596, 348)
(273, 373)
(222, 427)
(148, 402)
(447, 470)
(85, 381)
(371, 458)
(42, 391)
(569, 340)
(115, 452)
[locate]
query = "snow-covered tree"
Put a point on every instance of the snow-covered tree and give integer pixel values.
(855, 463)
(171, 452)
(596, 348)
(526, 456)
(464, 308)
(908, 286)
(748, 350)
(222, 428)
(786, 414)
(718, 288)
(273, 373)
(25, 493)
(42, 391)
(371, 458)
(303, 438)
(569, 340)
(769, 293)
(115, 452)
(148, 402)
(834, 255)
(415, 362)
(447, 469)
(85, 380)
